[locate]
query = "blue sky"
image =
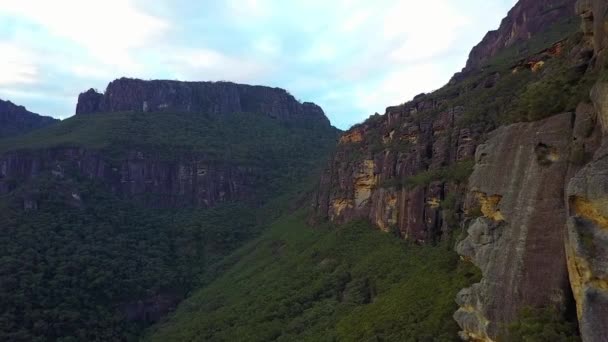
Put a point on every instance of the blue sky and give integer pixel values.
(352, 57)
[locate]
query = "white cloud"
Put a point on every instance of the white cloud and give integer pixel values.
(355, 56)
(267, 45)
(17, 65)
(246, 10)
(207, 64)
(109, 30)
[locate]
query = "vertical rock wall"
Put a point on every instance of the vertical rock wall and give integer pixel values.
(518, 241)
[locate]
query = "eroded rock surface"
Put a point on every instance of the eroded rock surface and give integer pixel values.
(587, 238)
(594, 14)
(518, 241)
(192, 181)
(527, 18)
(361, 180)
(126, 94)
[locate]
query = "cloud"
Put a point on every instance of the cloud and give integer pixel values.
(17, 65)
(109, 30)
(353, 57)
(207, 64)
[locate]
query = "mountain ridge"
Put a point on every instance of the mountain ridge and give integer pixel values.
(15, 119)
(215, 98)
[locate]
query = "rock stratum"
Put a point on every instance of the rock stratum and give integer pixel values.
(189, 182)
(169, 144)
(534, 205)
(15, 120)
(214, 98)
(527, 18)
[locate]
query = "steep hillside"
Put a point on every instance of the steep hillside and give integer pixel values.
(110, 219)
(493, 152)
(347, 283)
(172, 159)
(476, 212)
(15, 120)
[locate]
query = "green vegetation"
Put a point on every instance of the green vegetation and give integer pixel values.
(498, 94)
(352, 283)
(284, 153)
(457, 173)
(76, 268)
(67, 269)
(239, 137)
(543, 325)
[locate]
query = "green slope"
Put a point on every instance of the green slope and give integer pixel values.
(297, 283)
(283, 152)
(70, 268)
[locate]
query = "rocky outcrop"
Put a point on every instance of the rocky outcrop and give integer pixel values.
(587, 237)
(587, 197)
(518, 241)
(527, 18)
(364, 178)
(213, 98)
(89, 102)
(594, 14)
(192, 181)
(16, 120)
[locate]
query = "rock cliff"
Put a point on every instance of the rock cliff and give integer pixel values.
(175, 158)
(127, 94)
(586, 196)
(593, 13)
(526, 19)
(16, 120)
(192, 181)
(361, 180)
(518, 242)
(408, 171)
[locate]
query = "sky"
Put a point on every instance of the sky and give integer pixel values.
(352, 57)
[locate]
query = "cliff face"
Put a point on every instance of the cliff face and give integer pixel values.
(586, 196)
(593, 13)
(16, 120)
(198, 97)
(518, 242)
(190, 182)
(407, 172)
(526, 19)
(359, 181)
(427, 139)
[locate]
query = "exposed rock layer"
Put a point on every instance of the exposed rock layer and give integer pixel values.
(127, 94)
(192, 181)
(527, 18)
(594, 14)
(587, 237)
(518, 182)
(357, 183)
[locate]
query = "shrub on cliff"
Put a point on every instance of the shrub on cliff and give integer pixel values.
(542, 325)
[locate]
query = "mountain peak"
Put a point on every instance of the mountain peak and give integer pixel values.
(524, 20)
(219, 98)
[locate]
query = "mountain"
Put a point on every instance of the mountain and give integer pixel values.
(212, 211)
(16, 120)
(508, 151)
(479, 174)
(197, 97)
(110, 219)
